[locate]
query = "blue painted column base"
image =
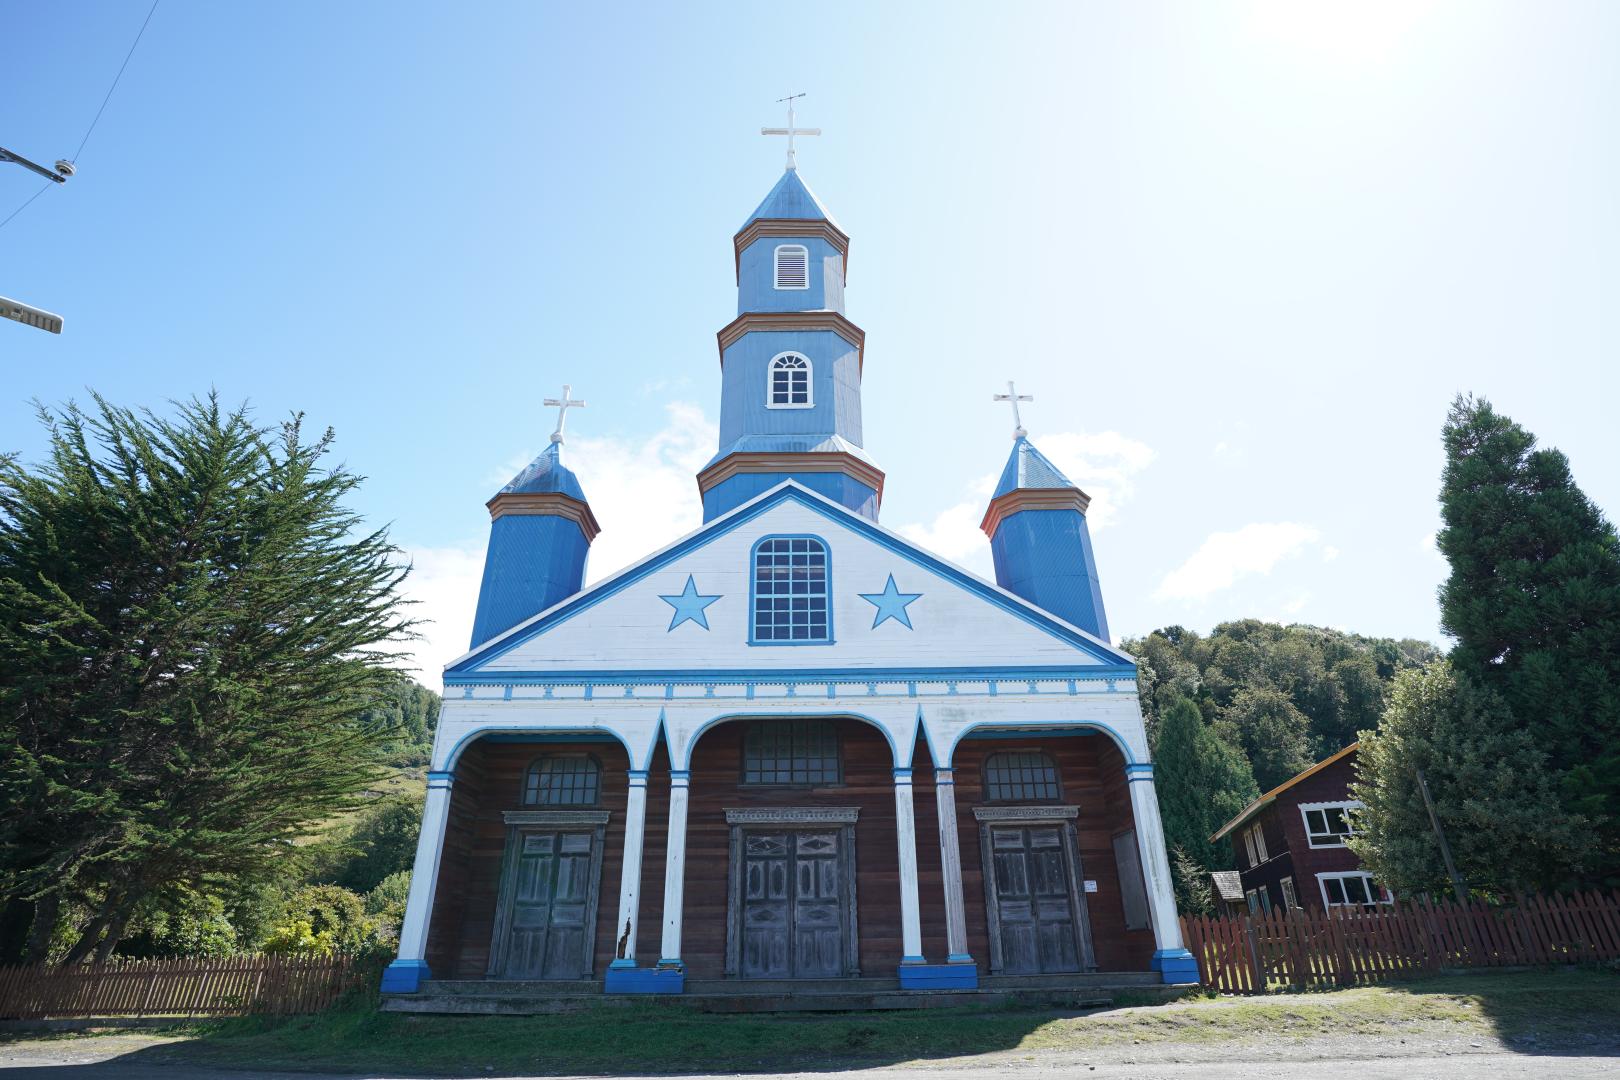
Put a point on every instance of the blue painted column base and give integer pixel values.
(1176, 966)
(629, 979)
(957, 976)
(405, 976)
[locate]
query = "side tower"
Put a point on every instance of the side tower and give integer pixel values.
(790, 363)
(1036, 522)
(540, 533)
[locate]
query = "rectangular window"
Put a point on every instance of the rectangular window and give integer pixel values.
(1254, 839)
(1020, 776)
(791, 753)
(1352, 889)
(1329, 824)
(1290, 898)
(790, 591)
(1253, 897)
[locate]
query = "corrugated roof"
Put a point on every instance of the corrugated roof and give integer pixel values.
(546, 473)
(791, 198)
(1271, 796)
(1027, 468)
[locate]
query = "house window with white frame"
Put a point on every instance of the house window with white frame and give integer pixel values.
(792, 266)
(1254, 842)
(1329, 824)
(1352, 888)
(788, 383)
(1290, 898)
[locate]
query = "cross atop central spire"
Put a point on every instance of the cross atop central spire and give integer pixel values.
(563, 404)
(790, 131)
(1013, 397)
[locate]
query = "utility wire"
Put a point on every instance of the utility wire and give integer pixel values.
(24, 206)
(114, 85)
(150, 12)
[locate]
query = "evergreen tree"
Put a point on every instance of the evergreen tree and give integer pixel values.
(1495, 797)
(1202, 782)
(191, 623)
(1273, 734)
(1534, 603)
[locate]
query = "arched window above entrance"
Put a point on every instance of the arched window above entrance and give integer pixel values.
(791, 753)
(1021, 776)
(562, 780)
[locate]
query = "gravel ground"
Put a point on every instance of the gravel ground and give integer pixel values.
(139, 1056)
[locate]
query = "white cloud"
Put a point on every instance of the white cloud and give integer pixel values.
(644, 494)
(1227, 556)
(1330, 553)
(1103, 464)
(1297, 604)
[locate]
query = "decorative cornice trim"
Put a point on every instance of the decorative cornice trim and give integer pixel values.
(556, 817)
(1009, 814)
(785, 321)
(793, 815)
(1020, 499)
(545, 502)
(833, 461)
(789, 227)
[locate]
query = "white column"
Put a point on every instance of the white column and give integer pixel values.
(635, 831)
(413, 930)
(950, 861)
(675, 869)
(905, 824)
(1161, 893)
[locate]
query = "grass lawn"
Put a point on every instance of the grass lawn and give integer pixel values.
(1551, 1007)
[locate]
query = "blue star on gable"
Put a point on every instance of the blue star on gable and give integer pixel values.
(689, 605)
(891, 604)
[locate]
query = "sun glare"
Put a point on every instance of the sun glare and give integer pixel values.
(1357, 33)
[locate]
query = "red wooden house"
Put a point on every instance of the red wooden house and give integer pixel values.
(1290, 842)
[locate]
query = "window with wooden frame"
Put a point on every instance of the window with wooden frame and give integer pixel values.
(1329, 824)
(792, 266)
(1254, 842)
(562, 780)
(791, 753)
(1352, 888)
(787, 383)
(1021, 776)
(1290, 898)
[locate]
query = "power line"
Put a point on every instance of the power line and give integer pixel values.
(114, 85)
(24, 206)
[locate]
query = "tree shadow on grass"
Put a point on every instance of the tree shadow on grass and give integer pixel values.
(1564, 1013)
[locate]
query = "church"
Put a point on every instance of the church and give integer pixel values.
(791, 747)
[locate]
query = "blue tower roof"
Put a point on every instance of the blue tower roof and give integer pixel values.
(791, 198)
(546, 474)
(1028, 468)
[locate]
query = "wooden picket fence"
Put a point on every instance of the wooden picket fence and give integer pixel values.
(1254, 953)
(183, 986)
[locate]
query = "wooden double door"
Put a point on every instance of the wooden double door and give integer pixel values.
(792, 909)
(1034, 896)
(545, 918)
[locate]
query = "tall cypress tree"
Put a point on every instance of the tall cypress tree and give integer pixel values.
(1202, 782)
(191, 626)
(1534, 603)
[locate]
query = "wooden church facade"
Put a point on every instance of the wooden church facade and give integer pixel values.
(791, 746)
(789, 894)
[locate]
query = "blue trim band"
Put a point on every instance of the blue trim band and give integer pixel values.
(405, 976)
(661, 677)
(438, 775)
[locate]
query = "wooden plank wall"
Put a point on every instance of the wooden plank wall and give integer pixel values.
(489, 779)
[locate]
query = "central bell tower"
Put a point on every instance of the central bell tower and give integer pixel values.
(790, 363)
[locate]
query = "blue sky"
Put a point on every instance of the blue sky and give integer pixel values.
(1242, 254)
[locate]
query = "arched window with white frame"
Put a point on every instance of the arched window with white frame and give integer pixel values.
(788, 385)
(792, 266)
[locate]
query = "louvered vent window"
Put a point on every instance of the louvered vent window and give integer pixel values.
(790, 382)
(1020, 776)
(556, 780)
(792, 267)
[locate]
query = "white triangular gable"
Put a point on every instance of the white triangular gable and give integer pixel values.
(622, 625)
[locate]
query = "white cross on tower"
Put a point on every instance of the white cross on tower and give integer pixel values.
(790, 130)
(1013, 397)
(563, 404)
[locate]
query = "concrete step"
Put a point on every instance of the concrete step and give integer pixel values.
(1071, 980)
(513, 987)
(790, 986)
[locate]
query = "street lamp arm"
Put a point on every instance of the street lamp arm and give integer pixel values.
(63, 170)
